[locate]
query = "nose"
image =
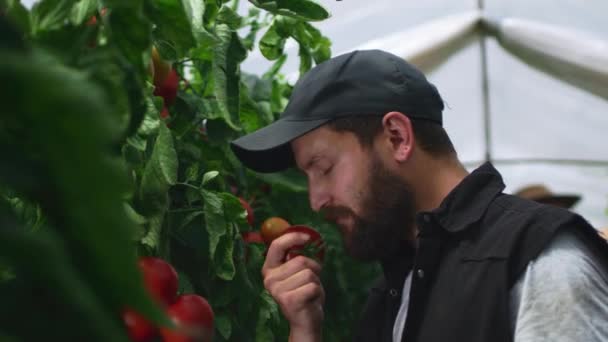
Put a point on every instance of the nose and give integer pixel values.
(318, 196)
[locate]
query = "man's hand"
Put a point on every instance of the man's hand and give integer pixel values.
(296, 287)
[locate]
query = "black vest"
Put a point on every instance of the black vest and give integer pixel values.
(471, 250)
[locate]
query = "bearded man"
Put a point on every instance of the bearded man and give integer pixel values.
(462, 261)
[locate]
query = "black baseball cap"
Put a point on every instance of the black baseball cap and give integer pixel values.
(366, 82)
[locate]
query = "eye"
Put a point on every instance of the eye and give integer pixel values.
(328, 170)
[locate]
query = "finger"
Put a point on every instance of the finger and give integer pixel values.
(304, 296)
(297, 264)
(278, 248)
(297, 280)
(288, 269)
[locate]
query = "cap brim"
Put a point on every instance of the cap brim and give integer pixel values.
(565, 201)
(267, 149)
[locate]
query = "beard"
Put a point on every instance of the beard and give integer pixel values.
(387, 217)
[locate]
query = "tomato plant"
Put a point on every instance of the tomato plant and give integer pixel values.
(115, 145)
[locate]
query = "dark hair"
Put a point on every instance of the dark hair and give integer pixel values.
(430, 136)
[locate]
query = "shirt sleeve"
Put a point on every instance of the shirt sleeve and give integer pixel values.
(562, 295)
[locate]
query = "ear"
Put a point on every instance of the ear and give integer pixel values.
(398, 129)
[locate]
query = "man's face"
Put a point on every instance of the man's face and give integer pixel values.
(351, 186)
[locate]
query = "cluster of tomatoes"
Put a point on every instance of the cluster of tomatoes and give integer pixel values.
(191, 314)
(275, 227)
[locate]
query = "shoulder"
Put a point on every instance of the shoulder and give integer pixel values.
(567, 262)
(563, 292)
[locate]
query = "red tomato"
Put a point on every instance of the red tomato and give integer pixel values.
(93, 20)
(168, 89)
(314, 248)
(250, 217)
(138, 328)
(272, 228)
(193, 318)
(164, 113)
(160, 279)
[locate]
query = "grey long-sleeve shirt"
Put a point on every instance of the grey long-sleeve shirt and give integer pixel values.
(562, 296)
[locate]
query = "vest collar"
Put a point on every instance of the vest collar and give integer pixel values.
(469, 200)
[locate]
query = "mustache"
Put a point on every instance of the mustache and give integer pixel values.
(332, 213)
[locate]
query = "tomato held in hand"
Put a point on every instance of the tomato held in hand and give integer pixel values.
(160, 279)
(314, 248)
(138, 328)
(193, 318)
(272, 228)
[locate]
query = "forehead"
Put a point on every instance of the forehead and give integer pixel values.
(322, 142)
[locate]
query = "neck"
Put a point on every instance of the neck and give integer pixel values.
(436, 181)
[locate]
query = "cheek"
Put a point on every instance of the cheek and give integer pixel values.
(349, 190)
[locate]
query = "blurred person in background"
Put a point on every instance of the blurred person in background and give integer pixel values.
(541, 194)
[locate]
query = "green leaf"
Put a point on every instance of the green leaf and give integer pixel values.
(51, 267)
(224, 261)
(133, 215)
(259, 89)
(301, 9)
(131, 32)
(212, 7)
(221, 212)
(49, 15)
(215, 223)
(268, 311)
(190, 217)
(229, 17)
(153, 236)
(192, 173)
(310, 38)
(71, 120)
(160, 171)
(28, 213)
(250, 114)
(275, 68)
(165, 155)
(82, 11)
(305, 60)
(223, 324)
(233, 209)
(208, 176)
(255, 24)
(273, 41)
(228, 54)
(173, 21)
(195, 11)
